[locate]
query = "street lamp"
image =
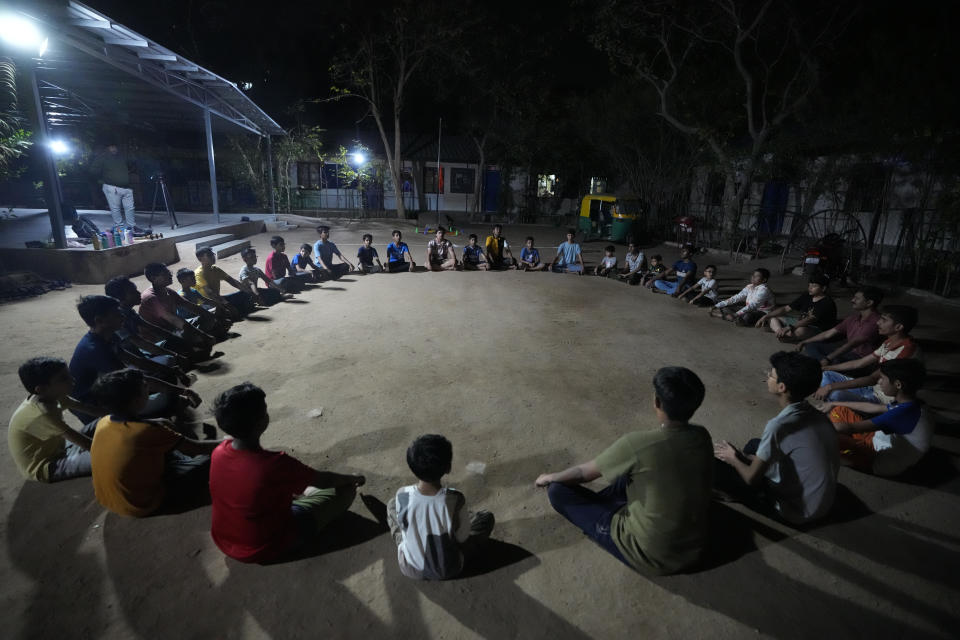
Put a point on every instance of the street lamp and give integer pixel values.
(22, 33)
(59, 147)
(358, 158)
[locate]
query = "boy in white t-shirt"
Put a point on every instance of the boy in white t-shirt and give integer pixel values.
(430, 524)
(634, 263)
(704, 292)
(608, 265)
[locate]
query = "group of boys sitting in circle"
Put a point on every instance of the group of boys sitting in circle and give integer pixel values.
(127, 382)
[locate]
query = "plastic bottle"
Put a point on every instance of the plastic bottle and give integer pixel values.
(117, 237)
(128, 236)
(95, 240)
(109, 240)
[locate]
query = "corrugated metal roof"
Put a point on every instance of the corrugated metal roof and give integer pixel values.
(96, 67)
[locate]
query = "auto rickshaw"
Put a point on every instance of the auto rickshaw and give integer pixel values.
(606, 217)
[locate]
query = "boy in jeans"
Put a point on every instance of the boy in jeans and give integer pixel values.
(208, 278)
(792, 469)
(255, 516)
(653, 515)
(433, 531)
(41, 444)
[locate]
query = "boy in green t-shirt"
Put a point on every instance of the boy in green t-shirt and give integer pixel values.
(653, 516)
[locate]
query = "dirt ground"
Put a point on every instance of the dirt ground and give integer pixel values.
(525, 373)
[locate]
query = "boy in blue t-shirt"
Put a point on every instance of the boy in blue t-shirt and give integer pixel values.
(396, 250)
(368, 260)
(473, 258)
(303, 262)
(530, 257)
(885, 440)
(685, 269)
(568, 259)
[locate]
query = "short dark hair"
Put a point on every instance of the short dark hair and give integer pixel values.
(472, 236)
(117, 287)
(322, 227)
(764, 273)
(530, 238)
(89, 307)
(800, 374)
(429, 457)
(306, 246)
(37, 371)
(116, 389)
(154, 269)
(183, 273)
(609, 248)
(498, 226)
(902, 314)
(571, 232)
(396, 232)
(711, 266)
(874, 294)
(247, 251)
(367, 235)
(238, 408)
(909, 372)
(203, 251)
(680, 391)
(275, 240)
(819, 278)
(657, 257)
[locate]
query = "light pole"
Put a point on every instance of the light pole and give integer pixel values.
(21, 33)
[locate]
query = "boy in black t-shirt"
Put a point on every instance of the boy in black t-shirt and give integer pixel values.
(368, 261)
(817, 312)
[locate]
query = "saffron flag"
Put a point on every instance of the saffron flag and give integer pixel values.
(439, 179)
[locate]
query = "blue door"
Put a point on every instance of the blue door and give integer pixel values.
(773, 206)
(491, 189)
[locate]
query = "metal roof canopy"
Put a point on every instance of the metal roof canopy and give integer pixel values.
(132, 80)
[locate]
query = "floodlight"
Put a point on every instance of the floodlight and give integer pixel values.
(21, 32)
(59, 147)
(359, 158)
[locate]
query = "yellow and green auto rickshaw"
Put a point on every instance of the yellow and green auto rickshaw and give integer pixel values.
(606, 217)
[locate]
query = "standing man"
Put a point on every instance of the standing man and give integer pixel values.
(111, 171)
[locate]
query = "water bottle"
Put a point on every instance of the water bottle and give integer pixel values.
(95, 240)
(109, 241)
(117, 238)
(128, 236)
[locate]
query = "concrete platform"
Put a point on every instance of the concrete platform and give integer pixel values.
(229, 248)
(89, 266)
(215, 239)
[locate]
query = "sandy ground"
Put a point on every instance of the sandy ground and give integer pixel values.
(525, 373)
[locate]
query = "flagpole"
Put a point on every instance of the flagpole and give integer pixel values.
(439, 181)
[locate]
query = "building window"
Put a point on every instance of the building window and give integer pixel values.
(462, 180)
(308, 175)
(546, 185)
(865, 190)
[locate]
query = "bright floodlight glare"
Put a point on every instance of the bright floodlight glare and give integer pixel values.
(359, 158)
(20, 32)
(59, 147)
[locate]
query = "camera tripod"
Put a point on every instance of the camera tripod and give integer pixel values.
(161, 189)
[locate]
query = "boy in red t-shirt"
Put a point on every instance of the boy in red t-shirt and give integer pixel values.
(278, 266)
(266, 503)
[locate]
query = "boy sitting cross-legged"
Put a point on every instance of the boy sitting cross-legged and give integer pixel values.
(250, 274)
(433, 531)
(530, 257)
(42, 445)
(368, 260)
(792, 468)
(885, 440)
(277, 266)
(188, 291)
(653, 514)
(256, 517)
(303, 264)
(161, 306)
(208, 278)
(399, 258)
(473, 256)
(142, 465)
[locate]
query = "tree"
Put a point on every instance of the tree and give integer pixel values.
(300, 143)
(14, 140)
(380, 60)
(729, 73)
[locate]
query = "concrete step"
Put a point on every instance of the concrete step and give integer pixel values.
(209, 241)
(229, 248)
